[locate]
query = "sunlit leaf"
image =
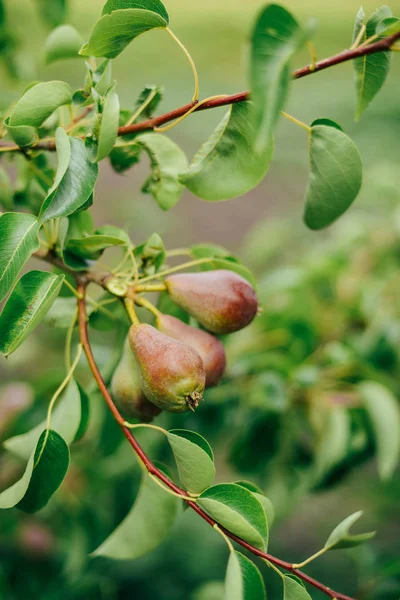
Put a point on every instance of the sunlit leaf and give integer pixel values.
(63, 43)
(294, 590)
(342, 538)
(194, 459)
(153, 5)
(18, 241)
(26, 307)
(243, 579)
(335, 175)
(39, 102)
(227, 165)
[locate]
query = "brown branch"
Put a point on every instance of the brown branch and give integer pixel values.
(383, 45)
(151, 468)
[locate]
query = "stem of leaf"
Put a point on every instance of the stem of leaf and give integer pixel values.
(71, 288)
(191, 61)
(296, 121)
(313, 54)
(178, 252)
(272, 566)
(313, 557)
(358, 39)
(159, 287)
(188, 265)
(141, 108)
(68, 341)
(148, 305)
(146, 425)
(163, 487)
(227, 540)
(189, 112)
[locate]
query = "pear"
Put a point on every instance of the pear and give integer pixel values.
(210, 349)
(222, 301)
(172, 373)
(126, 388)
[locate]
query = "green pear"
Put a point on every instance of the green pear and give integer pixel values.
(222, 301)
(172, 373)
(210, 349)
(126, 388)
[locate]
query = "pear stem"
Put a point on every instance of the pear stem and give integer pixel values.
(130, 309)
(148, 305)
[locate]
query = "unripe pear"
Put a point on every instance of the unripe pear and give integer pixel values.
(210, 349)
(222, 301)
(126, 388)
(172, 373)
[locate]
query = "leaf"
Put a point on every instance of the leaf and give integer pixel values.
(66, 419)
(227, 166)
(334, 439)
(75, 178)
(114, 31)
(44, 473)
(18, 241)
(156, 94)
(167, 162)
(6, 190)
(370, 70)
(39, 102)
(91, 246)
(235, 508)
(23, 135)
(61, 313)
(108, 128)
(277, 36)
(341, 537)
(53, 11)
(335, 176)
(27, 306)
(294, 590)
(51, 465)
(388, 26)
(194, 459)
(223, 260)
(266, 502)
(63, 43)
(152, 5)
(243, 580)
(384, 413)
(144, 528)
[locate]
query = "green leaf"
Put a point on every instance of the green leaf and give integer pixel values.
(63, 43)
(53, 11)
(151, 254)
(27, 306)
(114, 31)
(75, 178)
(276, 38)
(51, 465)
(227, 166)
(67, 418)
(341, 537)
(223, 260)
(167, 162)
(61, 313)
(108, 127)
(39, 102)
(152, 5)
(294, 590)
(144, 528)
(23, 135)
(335, 176)
(194, 459)
(91, 246)
(384, 413)
(370, 70)
(243, 579)
(156, 94)
(6, 190)
(44, 473)
(236, 508)
(18, 241)
(388, 26)
(334, 439)
(266, 502)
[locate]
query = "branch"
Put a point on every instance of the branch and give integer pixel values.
(383, 45)
(152, 469)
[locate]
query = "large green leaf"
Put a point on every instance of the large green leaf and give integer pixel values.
(384, 412)
(294, 590)
(276, 38)
(227, 165)
(18, 241)
(342, 538)
(153, 5)
(91, 246)
(39, 102)
(66, 420)
(334, 439)
(194, 459)
(44, 473)
(167, 161)
(63, 43)
(108, 126)
(27, 306)
(237, 509)
(75, 178)
(114, 31)
(243, 580)
(335, 175)
(370, 70)
(23, 135)
(50, 468)
(146, 525)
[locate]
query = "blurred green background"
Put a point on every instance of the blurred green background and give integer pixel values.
(216, 33)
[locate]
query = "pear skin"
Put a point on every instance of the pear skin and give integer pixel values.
(126, 388)
(222, 301)
(172, 373)
(210, 349)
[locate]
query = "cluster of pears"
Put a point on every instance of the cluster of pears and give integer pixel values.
(167, 367)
